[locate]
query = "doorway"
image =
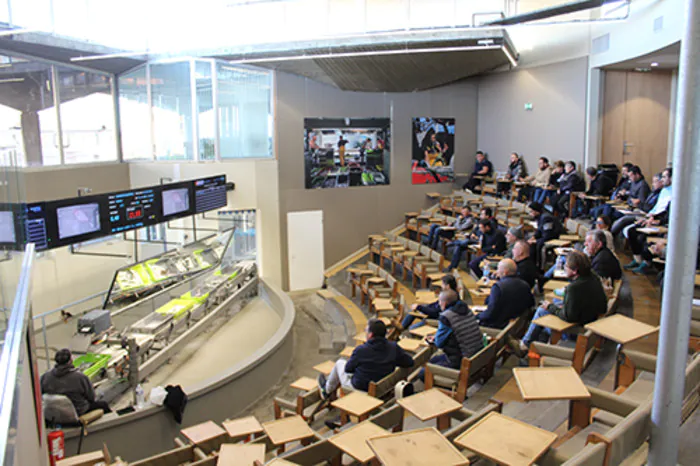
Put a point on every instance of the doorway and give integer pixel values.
(636, 110)
(305, 249)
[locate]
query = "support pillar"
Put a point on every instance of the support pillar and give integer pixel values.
(31, 136)
(681, 251)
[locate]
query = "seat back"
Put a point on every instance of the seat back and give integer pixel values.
(401, 240)
(413, 246)
(384, 386)
(58, 409)
(421, 358)
(425, 251)
(389, 419)
(391, 281)
(483, 358)
(630, 433)
(571, 226)
(319, 452)
(374, 268)
(436, 257)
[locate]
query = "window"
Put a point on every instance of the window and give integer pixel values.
(172, 111)
(135, 115)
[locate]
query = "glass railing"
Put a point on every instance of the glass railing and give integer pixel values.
(15, 367)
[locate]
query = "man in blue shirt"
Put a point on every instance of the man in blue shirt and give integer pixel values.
(370, 362)
(510, 297)
(482, 167)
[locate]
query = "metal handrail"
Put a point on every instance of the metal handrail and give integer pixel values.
(74, 303)
(10, 357)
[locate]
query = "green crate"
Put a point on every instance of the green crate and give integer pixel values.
(96, 362)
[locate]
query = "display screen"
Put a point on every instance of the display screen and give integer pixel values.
(7, 227)
(210, 193)
(63, 222)
(176, 201)
(132, 209)
(78, 220)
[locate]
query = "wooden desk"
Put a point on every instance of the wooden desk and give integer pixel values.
(304, 383)
(420, 447)
(93, 457)
(382, 304)
(411, 214)
(243, 426)
(287, 429)
(325, 367)
(423, 331)
(281, 462)
(507, 441)
(425, 297)
(240, 455)
(360, 338)
(479, 296)
(555, 324)
(353, 441)
(360, 271)
(559, 243)
(347, 351)
(570, 238)
(325, 294)
(556, 383)
(621, 329)
(376, 280)
(202, 433)
(653, 230)
(357, 404)
(410, 344)
(552, 285)
(433, 195)
(431, 404)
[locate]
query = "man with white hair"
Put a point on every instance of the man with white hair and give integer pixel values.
(603, 261)
(510, 297)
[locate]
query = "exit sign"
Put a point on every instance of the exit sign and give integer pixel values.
(528, 107)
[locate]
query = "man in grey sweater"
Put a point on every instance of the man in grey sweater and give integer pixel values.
(64, 379)
(464, 222)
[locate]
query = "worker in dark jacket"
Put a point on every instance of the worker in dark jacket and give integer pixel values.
(584, 300)
(493, 243)
(432, 310)
(526, 268)
(65, 379)
(509, 299)
(569, 182)
(603, 261)
(458, 334)
(482, 168)
(369, 362)
(548, 227)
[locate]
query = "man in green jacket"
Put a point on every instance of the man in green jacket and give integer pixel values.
(584, 300)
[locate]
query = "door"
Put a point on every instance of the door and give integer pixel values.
(305, 249)
(636, 108)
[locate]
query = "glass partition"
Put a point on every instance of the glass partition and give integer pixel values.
(134, 110)
(171, 93)
(31, 132)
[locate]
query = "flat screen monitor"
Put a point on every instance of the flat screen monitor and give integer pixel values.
(7, 227)
(175, 201)
(78, 220)
(210, 193)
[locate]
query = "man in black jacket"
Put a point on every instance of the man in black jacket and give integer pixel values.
(431, 311)
(370, 362)
(568, 183)
(510, 297)
(482, 168)
(65, 379)
(527, 270)
(548, 227)
(603, 261)
(493, 243)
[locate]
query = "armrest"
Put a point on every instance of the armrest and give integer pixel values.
(610, 402)
(553, 351)
(441, 371)
(642, 361)
(491, 332)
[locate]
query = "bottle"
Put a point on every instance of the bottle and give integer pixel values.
(487, 271)
(485, 340)
(140, 397)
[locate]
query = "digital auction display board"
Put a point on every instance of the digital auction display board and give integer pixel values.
(54, 224)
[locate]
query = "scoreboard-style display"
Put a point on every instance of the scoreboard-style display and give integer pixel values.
(53, 224)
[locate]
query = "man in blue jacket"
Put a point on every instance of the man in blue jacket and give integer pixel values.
(458, 334)
(510, 297)
(370, 362)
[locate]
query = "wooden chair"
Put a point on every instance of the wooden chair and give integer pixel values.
(407, 260)
(579, 357)
(304, 405)
(186, 454)
(424, 269)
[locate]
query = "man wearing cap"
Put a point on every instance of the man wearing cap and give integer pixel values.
(65, 379)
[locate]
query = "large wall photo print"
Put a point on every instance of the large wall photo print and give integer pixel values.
(346, 152)
(433, 150)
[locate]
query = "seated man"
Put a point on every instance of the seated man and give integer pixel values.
(599, 185)
(463, 223)
(548, 227)
(431, 311)
(569, 182)
(482, 167)
(458, 334)
(65, 379)
(510, 297)
(493, 243)
(541, 194)
(539, 180)
(603, 261)
(584, 300)
(370, 362)
(526, 268)
(460, 246)
(647, 205)
(513, 235)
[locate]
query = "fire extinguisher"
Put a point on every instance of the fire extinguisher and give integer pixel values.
(57, 450)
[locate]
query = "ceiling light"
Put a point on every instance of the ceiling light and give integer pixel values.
(510, 57)
(654, 64)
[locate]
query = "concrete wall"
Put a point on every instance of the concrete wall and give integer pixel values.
(555, 127)
(350, 214)
(48, 183)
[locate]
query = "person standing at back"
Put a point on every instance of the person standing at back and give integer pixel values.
(65, 379)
